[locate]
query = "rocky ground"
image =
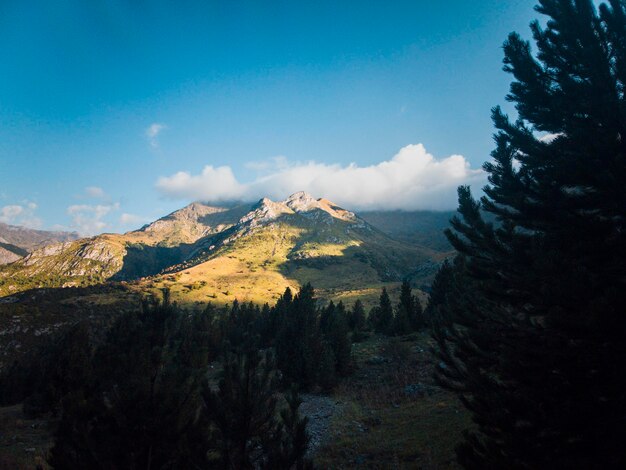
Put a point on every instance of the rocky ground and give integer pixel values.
(320, 410)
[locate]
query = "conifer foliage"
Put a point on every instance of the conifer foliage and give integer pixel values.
(409, 314)
(139, 408)
(248, 430)
(138, 394)
(533, 335)
(148, 403)
(381, 317)
(405, 318)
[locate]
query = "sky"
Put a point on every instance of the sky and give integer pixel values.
(114, 113)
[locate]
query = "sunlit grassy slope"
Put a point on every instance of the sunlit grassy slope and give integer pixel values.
(342, 261)
(128, 256)
(244, 252)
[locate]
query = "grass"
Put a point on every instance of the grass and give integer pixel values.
(383, 427)
(259, 266)
(24, 442)
(419, 434)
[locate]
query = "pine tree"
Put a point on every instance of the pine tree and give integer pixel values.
(326, 367)
(292, 440)
(336, 334)
(535, 339)
(56, 370)
(326, 317)
(384, 317)
(243, 410)
(298, 342)
(401, 322)
(139, 410)
(440, 289)
(357, 316)
(406, 310)
(250, 431)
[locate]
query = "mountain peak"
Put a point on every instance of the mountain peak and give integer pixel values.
(299, 195)
(301, 202)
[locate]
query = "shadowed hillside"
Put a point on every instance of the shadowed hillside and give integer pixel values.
(420, 227)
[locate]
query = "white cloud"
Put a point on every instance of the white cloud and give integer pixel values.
(214, 184)
(11, 212)
(87, 219)
(20, 214)
(132, 219)
(152, 133)
(412, 179)
(95, 192)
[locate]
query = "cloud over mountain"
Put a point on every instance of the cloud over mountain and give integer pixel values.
(87, 219)
(411, 179)
(20, 214)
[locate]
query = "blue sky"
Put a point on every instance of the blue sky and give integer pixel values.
(113, 113)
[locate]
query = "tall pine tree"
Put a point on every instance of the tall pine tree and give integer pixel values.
(383, 320)
(248, 430)
(536, 345)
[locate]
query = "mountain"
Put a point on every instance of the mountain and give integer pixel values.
(109, 256)
(424, 228)
(16, 242)
(244, 251)
(289, 243)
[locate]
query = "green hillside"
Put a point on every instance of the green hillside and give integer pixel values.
(246, 252)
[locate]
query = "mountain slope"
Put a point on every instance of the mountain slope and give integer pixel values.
(94, 260)
(249, 252)
(417, 227)
(16, 242)
(288, 243)
(10, 253)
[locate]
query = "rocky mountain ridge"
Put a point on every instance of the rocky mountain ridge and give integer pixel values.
(292, 241)
(17, 242)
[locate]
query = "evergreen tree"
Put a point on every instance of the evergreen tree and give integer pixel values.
(373, 318)
(405, 311)
(51, 372)
(336, 335)
(298, 342)
(243, 409)
(289, 449)
(401, 322)
(384, 315)
(534, 339)
(357, 316)
(326, 317)
(440, 289)
(326, 367)
(140, 408)
(249, 431)
(268, 325)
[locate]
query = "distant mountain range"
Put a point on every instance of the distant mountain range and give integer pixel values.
(251, 252)
(17, 242)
